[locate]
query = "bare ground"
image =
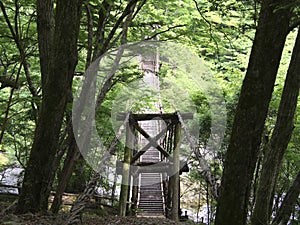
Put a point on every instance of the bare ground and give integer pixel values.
(30, 219)
(7, 217)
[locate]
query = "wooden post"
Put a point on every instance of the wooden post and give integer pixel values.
(175, 177)
(165, 193)
(126, 168)
(170, 197)
(179, 209)
(135, 192)
(128, 196)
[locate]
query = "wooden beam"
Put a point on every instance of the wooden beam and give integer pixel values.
(155, 116)
(147, 146)
(143, 164)
(154, 169)
(183, 165)
(139, 166)
(151, 140)
(207, 174)
(126, 168)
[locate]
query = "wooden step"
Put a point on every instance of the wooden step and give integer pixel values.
(150, 191)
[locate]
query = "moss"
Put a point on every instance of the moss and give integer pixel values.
(3, 159)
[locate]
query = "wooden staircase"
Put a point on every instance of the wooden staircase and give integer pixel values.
(150, 201)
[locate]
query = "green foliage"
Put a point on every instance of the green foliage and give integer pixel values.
(3, 160)
(22, 110)
(220, 32)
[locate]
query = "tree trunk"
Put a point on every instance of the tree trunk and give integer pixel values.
(288, 203)
(45, 28)
(251, 113)
(80, 203)
(279, 141)
(57, 74)
(99, 49)
(69, 163)
(73, 153)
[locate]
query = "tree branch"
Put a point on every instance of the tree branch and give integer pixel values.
(165, 31)
(90, 35)
(8, 82)
(126, 12)
(104, 13)
(3, 127)
(138, 9)
(210, 27)
(15, 35)
(295, 24)
(288, 203)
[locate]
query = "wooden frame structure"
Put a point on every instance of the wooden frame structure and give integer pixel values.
(170, 166)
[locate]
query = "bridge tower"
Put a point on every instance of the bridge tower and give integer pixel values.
(151, 166)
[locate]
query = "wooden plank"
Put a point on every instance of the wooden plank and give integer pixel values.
(182, 163)
(183, 166)
(143, 164)
(154, 169)
(156, 116)
(10, 186)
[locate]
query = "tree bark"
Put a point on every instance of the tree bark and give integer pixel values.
(251, 113)
(74, 154)
(45, 29)
(57, 73)
(66, 173)
(288, 203)
(279, 141)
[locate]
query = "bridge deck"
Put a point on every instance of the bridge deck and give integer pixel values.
(150, 201)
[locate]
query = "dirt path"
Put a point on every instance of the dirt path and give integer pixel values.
(30, 219)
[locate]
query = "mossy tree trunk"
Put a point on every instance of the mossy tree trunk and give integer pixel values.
(279, 141)
(251, 113)
(58, 52)
(98, 43)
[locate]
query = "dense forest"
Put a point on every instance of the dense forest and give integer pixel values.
(233, 65)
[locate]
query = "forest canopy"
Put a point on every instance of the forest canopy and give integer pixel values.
(244, 162)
